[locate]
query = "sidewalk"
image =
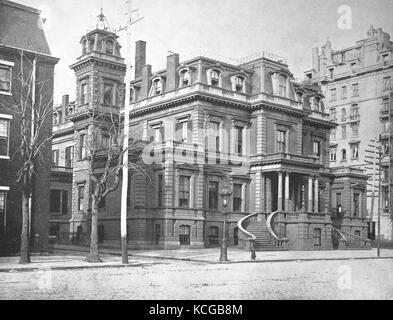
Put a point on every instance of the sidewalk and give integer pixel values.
(69, 257)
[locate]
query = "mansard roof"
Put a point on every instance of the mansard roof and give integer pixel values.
(21, 27)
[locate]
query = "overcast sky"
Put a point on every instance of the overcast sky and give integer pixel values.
(229, 28)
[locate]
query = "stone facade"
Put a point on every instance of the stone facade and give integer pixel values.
(208, 124)
(357, 83)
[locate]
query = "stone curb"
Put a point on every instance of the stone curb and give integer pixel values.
(58, 268)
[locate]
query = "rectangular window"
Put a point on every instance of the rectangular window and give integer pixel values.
(333, 134)
(385, 197)
(55, 158)
(344, 132)
(82, 146)
(333, 95)
(333, 154)
(317, 237)
(5, 78)
(338, 202)
(105, 141)
(81, 197)
(354, 112)
(69, 154)
(237, 197)
(239, 141)
(281, 141)
(317, 148)
(58, 201)
(184, 191)
(333, 115)
(356, 205)
(181, 131)
(344, 92)
(159, 134)
(213, 195)
(4, 137)
(355, 90)
(355, 130)
(386, 83)
(385, 104)
(3, 211)
(355, 151)
(282, 86)
(84, 93)
(108, 94)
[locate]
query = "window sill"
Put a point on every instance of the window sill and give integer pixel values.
(5, 158)
(5, 93)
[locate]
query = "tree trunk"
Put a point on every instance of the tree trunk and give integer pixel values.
(93, 256)
(24, 248)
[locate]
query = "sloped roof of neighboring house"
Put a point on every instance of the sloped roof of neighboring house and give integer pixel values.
(21, 27)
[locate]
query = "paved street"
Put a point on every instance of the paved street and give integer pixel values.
(352, 279)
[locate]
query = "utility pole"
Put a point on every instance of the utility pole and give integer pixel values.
(124, 190)
(127, 109)
(376, 149)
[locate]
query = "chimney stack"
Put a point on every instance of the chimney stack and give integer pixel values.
(315, 59)
(65, 101)
(140, 57)
(146, 81)
(171, 72)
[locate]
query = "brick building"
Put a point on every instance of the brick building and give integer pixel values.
(210, 124)
(22, 43)
(357, 83)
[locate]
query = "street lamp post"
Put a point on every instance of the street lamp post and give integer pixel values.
(226, 192)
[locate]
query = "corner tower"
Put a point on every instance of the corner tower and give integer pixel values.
(99, 71)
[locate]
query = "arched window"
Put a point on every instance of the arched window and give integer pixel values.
(55, 118)
(185, 79)
(343, 155)
(239, 84)
(213, 235)
(214, 78)
(109, 46)
(184, 235)
(157, 86)
(300, 97)
(343, 115)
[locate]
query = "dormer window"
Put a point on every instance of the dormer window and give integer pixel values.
(55, 119)
(214, 78)
(70, 111)
(239, 84)
(185, 78)
(109, 47)
(282, 85)
(84, 47)
(157, 86)
(300, 97)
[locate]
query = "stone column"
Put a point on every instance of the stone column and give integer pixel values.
(361, 204)
(279, 206)
(269, 195)
(309, 194)
(263, 193)
(316, 196)
(287, 191)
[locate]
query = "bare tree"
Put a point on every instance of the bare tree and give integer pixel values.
(32, 101)
(104, 156)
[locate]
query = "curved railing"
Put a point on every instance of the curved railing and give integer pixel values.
(248, 236)
(340, 233)
(270, 227)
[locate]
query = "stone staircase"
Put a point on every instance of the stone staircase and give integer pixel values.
(264, 240)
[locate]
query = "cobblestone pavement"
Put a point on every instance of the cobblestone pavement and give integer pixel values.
(355, 279)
